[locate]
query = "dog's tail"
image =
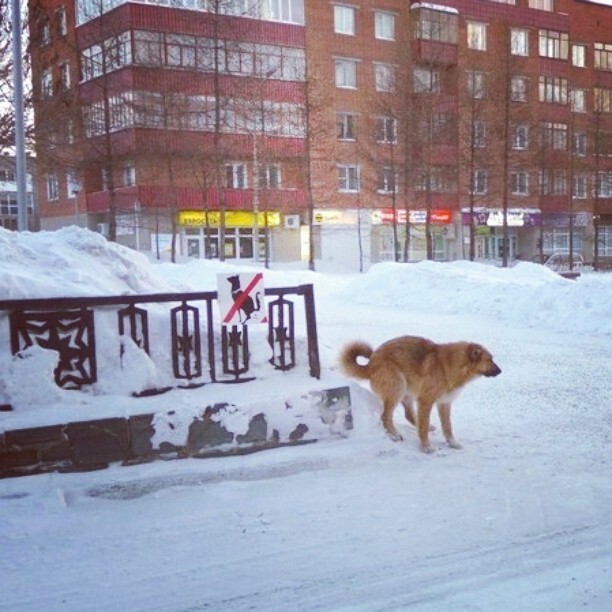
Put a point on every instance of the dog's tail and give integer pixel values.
(348, 360)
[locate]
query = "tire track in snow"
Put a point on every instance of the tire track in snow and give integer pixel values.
(434, 581)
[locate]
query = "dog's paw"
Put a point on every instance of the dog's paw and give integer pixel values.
(454, 444)
(395, 437)
(427, 448)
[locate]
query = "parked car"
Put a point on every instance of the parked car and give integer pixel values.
(560, 262)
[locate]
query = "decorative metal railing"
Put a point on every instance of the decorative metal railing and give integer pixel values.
(197, 342)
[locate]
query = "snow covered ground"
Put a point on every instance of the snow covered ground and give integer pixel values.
(520, 519)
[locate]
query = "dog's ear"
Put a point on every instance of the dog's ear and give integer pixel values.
(475, 352)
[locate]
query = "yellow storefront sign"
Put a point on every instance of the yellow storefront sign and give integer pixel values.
(233, 218)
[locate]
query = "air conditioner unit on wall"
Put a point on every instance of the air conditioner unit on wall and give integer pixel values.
(103, 229)
(292, 221)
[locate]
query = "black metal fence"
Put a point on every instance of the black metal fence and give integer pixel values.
(202, 350)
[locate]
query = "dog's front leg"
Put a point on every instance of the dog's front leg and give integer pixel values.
(444, 410)
(423, 425)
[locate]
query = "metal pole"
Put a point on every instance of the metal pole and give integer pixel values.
(20, 157)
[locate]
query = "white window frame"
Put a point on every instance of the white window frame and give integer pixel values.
(270, 176)
(387, 180)
(72, 185)
(64, 72)
(345, 72)
(477, 36)
(580, 187)
(578, 100)
(46, 84)
(346, 124)
(386, 130)
(520, 137)
(519, 42)
(384, 77)
(237, 175)
(553, 44)
(62, 21)
(479, 134)
(384, 25)
(519, 183)
(426, 80)
(518, 88)
(129, 175)
(579, 55)
(579, 146)
(52, 187)
(480, 182)
(344, 19)
(477, 84)
(348, 178)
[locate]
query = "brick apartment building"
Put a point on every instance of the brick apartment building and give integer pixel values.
(252, 129)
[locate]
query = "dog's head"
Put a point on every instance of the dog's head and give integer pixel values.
(482, 361)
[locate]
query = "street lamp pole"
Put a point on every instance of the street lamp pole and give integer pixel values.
(20, 157)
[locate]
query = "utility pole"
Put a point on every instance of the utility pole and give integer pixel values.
(20, 157)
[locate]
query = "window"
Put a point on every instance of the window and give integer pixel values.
(580, 144)
(476, 84)
(64, 71)
(603, 143)
(181, 53)
(129, 176)
(72, 185)
(431, 24)
(387, 180)
(384, 77)
(519, 42)
(479, 134)
(477, 36)
(426, 80)
(344, 19)
(578, 100)
(518, 89)
(386, 130)
(603, 56)
(579, 56)
(384, 25)
(554, 135)
(46, 84)
(542, 5)
(520, 137)
(603, 100)
(105, 177)
(553, 182)
(269, 176)
(236, 175)
(52, 187)
(148, 48)
(348, 178)
(553, 44)
(346, 73)
(290, 11)
(480, 182)
(604, 184)
(580, 188)
(62, 22)
(346, 124)
(519, 183)
(553, 90)
(45, 32)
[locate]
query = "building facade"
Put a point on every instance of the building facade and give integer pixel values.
(363, 131)
(9, 206)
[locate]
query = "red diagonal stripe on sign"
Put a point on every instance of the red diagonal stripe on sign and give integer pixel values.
(242, 297)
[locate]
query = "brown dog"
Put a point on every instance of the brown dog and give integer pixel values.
(408, 368)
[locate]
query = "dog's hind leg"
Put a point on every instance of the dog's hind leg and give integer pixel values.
(409, 412)
(390, 388)
(423, 416)
(444, 410)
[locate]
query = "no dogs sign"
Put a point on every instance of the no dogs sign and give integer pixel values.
(241, 298)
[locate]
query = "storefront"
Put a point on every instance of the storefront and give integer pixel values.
(523, 233)
(557, 234)
(200, 234)
(441, 227)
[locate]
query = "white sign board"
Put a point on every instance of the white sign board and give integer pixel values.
(241, 298)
